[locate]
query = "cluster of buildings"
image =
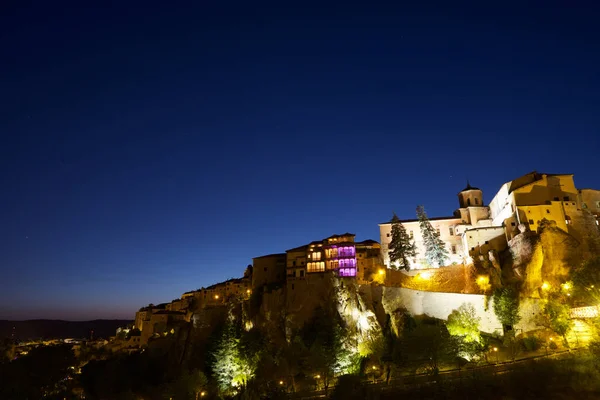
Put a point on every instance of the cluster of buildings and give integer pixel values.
(520, 205)
(473, 230)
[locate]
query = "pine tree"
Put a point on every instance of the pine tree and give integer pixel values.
(401, 248)
(435, 250)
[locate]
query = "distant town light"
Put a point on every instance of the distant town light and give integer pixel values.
(318, 376)
(281, 382)
(202, 394)
(248, 291)
(216, 296)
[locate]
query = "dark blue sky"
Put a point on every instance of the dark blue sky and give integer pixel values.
(148, 150)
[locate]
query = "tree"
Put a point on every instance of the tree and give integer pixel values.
(187, 386)
(506, 306)
(558, 317)
(464, 323)
(401, 247)
(233, 364)
(435, 250)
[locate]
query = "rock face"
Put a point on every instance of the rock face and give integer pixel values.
(546, 257)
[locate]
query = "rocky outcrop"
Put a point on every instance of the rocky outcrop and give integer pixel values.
(544, 257)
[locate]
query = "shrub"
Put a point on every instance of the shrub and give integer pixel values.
(531, 343)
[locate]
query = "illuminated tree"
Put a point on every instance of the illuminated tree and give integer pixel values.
(435, 250)
(506, 306)
(401, 247)
(464, 323)
(558, 317)
(233, 364)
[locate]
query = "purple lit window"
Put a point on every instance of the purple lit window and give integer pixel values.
(347, 272)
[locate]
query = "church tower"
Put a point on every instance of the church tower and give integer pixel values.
(470, 197)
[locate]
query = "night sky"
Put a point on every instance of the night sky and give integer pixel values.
(148, 150)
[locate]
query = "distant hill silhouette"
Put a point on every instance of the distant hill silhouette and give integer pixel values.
(57, 329)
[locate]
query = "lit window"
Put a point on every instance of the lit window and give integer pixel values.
(412, 235)
(438, 231)
(547, 211)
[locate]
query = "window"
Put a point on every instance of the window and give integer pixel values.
(388, 235)
(472, 248)
(293, 263)
(292, 286)
(302, 274)
(477, 201)
(265, 269)
(487, 242)
(438, 231)
(453, 249)
(547, 211)
(512, 224)
(451, 231)
(566, 198)
(531, 222)
(556, 199)
(468, 202)
(412, 234)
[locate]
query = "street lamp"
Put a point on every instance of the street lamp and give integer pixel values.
(496, 351)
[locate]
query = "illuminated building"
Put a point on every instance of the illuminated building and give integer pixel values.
(471, 213)
(336, 253)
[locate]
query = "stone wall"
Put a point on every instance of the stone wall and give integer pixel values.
(440, 305)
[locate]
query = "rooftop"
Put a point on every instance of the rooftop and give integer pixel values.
(270, 255)
(403, 221)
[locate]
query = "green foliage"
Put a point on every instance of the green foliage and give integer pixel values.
(464, 323)
(558, 316)
(586, 282)
(428, 345)
(531, 343)
(401, 247)
(435, 250)
(187, 386)
(235, 359)
(506, 306)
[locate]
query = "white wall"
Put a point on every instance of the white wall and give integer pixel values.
(440, 305)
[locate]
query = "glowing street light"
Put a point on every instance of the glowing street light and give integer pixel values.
(202, 394)
(281, 382)
(381, 271)
(545, 286)
(496, 351)
(216, 297)
(318, 376)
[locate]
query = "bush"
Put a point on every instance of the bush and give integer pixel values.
(531, 343)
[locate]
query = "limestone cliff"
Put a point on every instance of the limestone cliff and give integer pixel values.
(546, 257)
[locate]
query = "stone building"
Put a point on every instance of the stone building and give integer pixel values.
(268, 269)
(471, 213)
(525, 202)
(521, 204)
(336, 253)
